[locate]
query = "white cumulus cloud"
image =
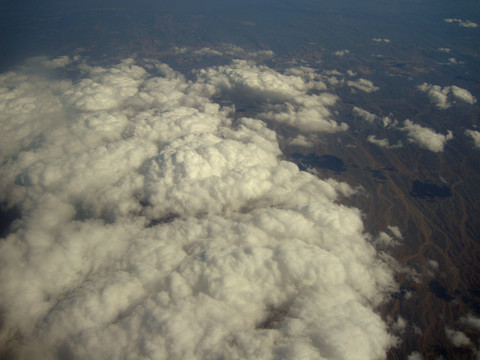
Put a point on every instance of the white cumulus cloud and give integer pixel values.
(385, 143)
(457, 338)
(426, 137)
(471, 321)
(157, 225)
(442, 97)
(296, 98)
(364, 114)
(462, 95)
(379, 142)
(475, 136)
(363, 85)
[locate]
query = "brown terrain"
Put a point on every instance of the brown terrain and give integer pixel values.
(439, 222)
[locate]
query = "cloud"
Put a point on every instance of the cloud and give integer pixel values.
(470, 321)
(437, 94)
(380, 142)
(342, 52)
(301, 140)
(387, 121)
(442, 96)
(462, 95)
(475, 135)
(157, 224)
(457, 338)
(463, 23)
(363, 114)
(433, 264)
(363, 84)
(379, 40)
(295, 98)
(106, 88)
(415, 356)
(384, 239)
(395, 231)
(447, 50)
(426, 137)
(385, 143)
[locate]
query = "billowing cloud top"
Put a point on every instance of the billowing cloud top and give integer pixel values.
(152, 228)
(296, 98)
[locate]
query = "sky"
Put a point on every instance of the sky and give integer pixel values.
(158, 212)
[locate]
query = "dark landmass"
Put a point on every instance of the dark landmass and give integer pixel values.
(427, 190)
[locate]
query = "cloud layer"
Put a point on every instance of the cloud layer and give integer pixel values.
(156, 224)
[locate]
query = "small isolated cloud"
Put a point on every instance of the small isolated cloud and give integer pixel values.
(415, 356)
(447, 50)
(475, 136)
(301, 140)
(463, 23)
(426, 137)
(396, 232)
(385, 143)
(379, 142)
(400, 325)
(363, 85)
(364, 114)
(383, 239)
(380, 40)
(433, 264)
(471, 321)
(342, 52)
(462, 95)
(442, 97)
(457, 338)
(388, 121)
